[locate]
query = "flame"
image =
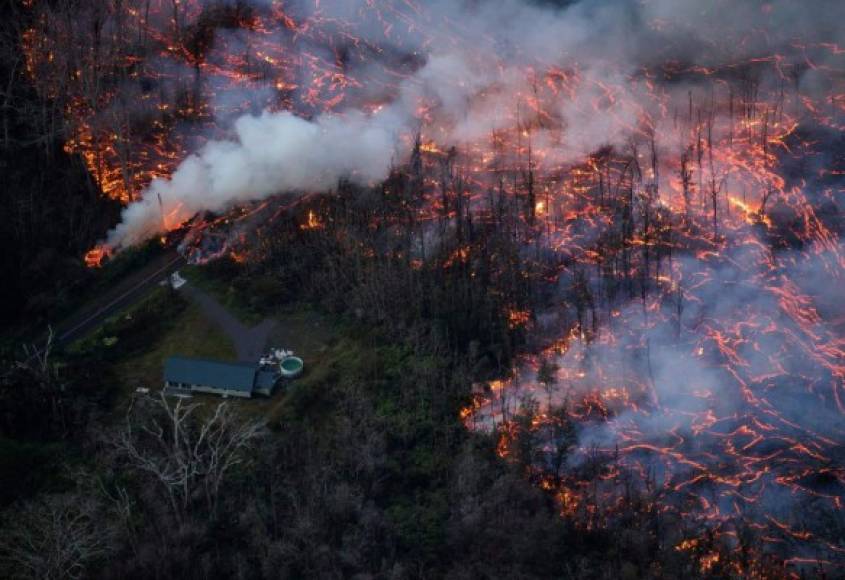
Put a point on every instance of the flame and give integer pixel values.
(517, 317)
(751, 216)
(431, 147)
(95, 256)
(312, 222)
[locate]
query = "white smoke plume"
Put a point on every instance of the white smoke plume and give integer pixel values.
(477, 60)
(271, 153)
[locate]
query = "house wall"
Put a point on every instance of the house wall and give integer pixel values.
(204, 389)
(175, 389)
(221, 392)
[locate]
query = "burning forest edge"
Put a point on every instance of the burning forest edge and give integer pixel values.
(623, 217)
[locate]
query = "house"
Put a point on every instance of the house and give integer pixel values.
(183, 375)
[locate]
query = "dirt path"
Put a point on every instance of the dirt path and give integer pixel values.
(249, 343)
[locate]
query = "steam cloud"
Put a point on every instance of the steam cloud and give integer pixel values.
(608, 40)
(271, 153)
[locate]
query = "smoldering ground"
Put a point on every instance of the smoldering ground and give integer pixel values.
(465, 70)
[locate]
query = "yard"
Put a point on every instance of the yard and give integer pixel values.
(190, 334)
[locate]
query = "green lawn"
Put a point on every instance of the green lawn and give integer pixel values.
(189, 334)
(233, 299)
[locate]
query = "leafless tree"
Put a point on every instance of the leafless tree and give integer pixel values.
(547, 377)
(37, 358)
(34, 396)
(717, 181)
(186, 453)
(57, 537)
(687, 184)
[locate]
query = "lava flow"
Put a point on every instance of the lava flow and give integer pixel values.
(678, 182)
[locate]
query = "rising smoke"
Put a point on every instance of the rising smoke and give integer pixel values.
(478, 64)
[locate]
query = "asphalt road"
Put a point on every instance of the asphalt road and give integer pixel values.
(125, 293)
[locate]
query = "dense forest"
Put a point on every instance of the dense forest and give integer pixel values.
(52, 210)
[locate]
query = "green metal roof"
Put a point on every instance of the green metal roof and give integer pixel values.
(231, 376)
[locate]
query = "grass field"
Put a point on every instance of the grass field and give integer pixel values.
(231, 298)
(189, 334)
(134, 344)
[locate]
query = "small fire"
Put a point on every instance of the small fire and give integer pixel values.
(238, 257)
(312, 222)
(431, 147)
(518, 318)
(95, 256)
(688, 544)
(708, 561)
(752, 216)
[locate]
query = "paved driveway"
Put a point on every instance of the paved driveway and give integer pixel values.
(249, 343)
